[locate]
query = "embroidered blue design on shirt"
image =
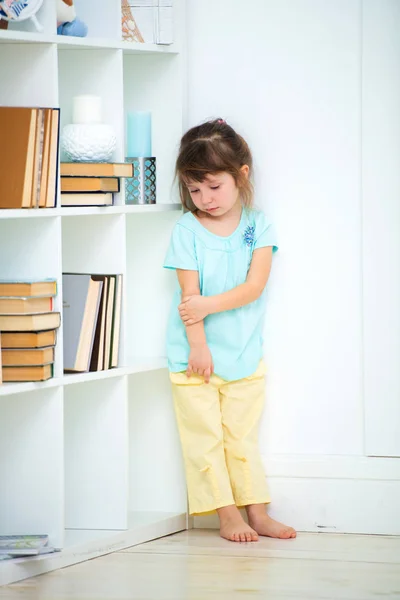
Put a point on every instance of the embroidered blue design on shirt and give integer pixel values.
(249, 235)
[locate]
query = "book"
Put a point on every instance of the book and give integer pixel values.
(109, 321)
(13, 542)
(90, 199)
(25, 305)
(81, 303)
(1, 370)
(97, 358)
(35, 357)
(22, 552)
(44, 172)
(116, 325)
(25, 339)
(52, 168)
(30, 322)
(96, 169)
(28, 289)
(17, 151)
(19, 374)
(37, 158)
(89, 184)
(105, 348)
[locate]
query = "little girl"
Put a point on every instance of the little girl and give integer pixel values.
(221, 250)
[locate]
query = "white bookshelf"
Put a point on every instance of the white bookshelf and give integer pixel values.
(93, 459)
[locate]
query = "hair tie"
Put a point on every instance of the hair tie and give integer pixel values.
(221, 122)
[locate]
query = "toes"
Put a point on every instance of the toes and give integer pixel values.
(288, 533)
(245, 536)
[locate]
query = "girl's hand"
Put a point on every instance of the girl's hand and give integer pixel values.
(200, 362)
(194, 309)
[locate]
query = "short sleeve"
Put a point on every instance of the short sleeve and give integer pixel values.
(265, 234)
(181, 253)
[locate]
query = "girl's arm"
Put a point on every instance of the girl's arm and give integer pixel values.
(200, 359)
(196, 308)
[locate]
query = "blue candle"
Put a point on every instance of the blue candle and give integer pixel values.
(139, 134)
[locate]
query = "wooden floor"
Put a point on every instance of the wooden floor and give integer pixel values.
(198, 565)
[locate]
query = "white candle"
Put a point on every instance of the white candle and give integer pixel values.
(86, 109)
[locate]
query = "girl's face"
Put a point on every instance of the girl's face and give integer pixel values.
(216, 195)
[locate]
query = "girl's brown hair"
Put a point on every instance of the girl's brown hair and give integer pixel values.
(210, 148)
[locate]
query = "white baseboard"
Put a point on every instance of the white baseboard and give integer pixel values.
(332, 494)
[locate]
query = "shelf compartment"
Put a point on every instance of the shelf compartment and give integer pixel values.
(93, 245)
(103, 18)
(82, 545)
(149, 287)
(156, 476)
(36, 83)
(96, 455)
(99, 73)
(32, 251)
(31, 464)
(152, 83)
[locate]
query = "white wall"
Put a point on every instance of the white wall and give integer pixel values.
(288, 75)
(381, 225)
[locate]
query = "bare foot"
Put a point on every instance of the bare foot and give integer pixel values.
(233, 527)
(264, 525)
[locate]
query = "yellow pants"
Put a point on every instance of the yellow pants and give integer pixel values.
(218, 426)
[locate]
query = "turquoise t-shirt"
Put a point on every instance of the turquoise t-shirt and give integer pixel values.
(235, 336)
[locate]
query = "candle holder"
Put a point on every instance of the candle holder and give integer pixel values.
(141, 188)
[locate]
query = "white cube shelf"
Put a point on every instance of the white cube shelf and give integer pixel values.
(93, 459)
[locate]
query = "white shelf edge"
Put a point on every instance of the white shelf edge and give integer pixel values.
(160, 525)
(9, 389)
(76, 43)
(162, 207)
(142, 366)
(78, 211)
(139, 367)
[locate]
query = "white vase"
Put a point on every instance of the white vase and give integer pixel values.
(88, 139)
(92, 142)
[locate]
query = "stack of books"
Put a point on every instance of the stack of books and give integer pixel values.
(28, 328)
(92, 184)
(29, 143)
(18, 546)
(92, 320)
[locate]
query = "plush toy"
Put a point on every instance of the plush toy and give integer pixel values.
(67, 23)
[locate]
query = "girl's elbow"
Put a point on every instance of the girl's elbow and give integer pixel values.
(256, 291)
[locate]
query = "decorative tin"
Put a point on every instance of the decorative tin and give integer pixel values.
(141, 188)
